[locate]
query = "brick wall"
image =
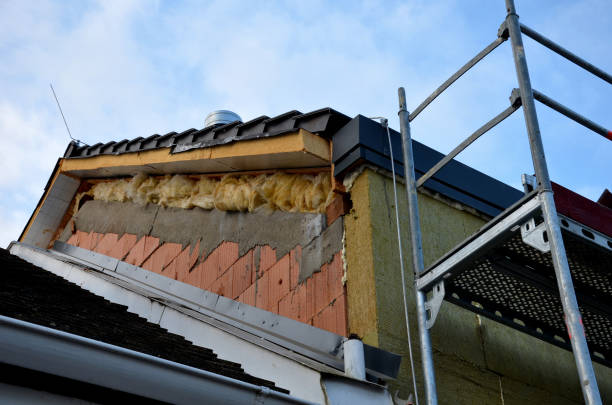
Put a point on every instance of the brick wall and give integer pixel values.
(257, 278)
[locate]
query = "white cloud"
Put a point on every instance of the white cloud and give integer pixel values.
(132, 68)
(29, 144)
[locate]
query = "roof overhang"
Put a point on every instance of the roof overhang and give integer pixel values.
(293, 150)
(299, 149)
(50, 351)
(313, 347)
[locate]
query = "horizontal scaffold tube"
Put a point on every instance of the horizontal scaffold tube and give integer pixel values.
(536, 36)
(606, 133)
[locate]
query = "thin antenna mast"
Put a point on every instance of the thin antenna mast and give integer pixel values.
(64, 118)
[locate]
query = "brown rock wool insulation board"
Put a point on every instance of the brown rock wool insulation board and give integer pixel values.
(281, 230)
(279, 191)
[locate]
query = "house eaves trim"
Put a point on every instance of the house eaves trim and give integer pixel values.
(294, 149)
(39, 348)
(313, 347)
(299, 149)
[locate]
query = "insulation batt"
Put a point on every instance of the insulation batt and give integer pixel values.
(278, 191)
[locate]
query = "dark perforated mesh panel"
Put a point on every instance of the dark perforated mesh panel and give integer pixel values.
(516, 285)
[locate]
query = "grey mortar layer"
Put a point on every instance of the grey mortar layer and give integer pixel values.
(321, 249)
(280, 230)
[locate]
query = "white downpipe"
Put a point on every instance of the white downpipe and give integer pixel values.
(354, 360)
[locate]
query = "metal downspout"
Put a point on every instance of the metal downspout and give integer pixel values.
(573, 319)
(431, 396)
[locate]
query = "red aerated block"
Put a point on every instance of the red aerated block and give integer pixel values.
(262, 292)
(223, 285)
(194, 255)
(326, 319)
(278, 282)
(300, 293)
(210, 270)
(107, 243)
(80, 236)
(248, 296)
(310, 299)
(289, 307)
(228, 254)
(335, 272)
(84, 239)
(321, 290)
(73, 239)
(243, 272)
(295, 256)
(90, 240)
(341, 315)
(123, 246)
(194, 277)
(142, 250)
(267, 257)
(162, 257)
(179, 266)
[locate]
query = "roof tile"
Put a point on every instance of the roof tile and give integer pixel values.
(324, 122)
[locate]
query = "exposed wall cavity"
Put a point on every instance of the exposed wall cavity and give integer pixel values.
(279, 230)
(273, 192)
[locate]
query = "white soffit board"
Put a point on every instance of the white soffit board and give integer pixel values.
(52, 211)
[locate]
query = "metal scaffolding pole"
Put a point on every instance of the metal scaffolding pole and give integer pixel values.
(573, 318)
(560, 108)
(431, 395)
(566, 54)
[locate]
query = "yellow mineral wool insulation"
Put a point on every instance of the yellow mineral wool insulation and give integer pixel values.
(278, 191)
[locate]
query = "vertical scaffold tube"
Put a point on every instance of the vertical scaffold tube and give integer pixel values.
(573, 319)
(417, 251)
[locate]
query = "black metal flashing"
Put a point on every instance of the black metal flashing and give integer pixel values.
(324, 122)
(363, 140)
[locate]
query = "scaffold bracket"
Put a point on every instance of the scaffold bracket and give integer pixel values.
(535, 235)
(432, 306)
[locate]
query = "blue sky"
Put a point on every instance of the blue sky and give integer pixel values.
(124, 69)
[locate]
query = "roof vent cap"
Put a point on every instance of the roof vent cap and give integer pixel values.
(221, 117)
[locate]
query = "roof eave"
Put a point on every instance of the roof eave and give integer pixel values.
(35, 347)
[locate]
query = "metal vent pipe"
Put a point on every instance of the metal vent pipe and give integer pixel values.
(221, 117)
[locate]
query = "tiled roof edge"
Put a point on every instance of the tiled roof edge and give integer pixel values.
(324, 122)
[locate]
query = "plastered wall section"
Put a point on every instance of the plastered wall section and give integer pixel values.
(477, 361)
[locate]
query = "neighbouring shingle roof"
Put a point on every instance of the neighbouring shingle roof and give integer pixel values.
(34, 295)
(323, 122)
